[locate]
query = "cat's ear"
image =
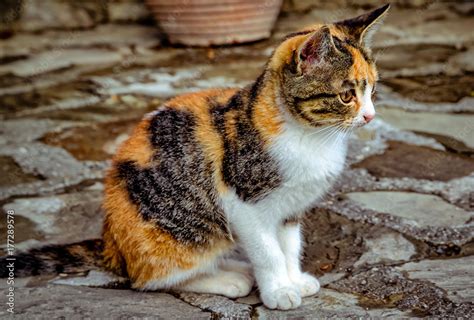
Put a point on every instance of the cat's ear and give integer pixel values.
(316, 50)
(363, 27)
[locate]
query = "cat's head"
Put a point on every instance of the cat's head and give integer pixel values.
(326, 73)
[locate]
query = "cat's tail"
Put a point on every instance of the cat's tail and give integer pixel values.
(54, 259)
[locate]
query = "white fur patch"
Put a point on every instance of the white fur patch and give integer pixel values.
(178, 276)
(367, 108)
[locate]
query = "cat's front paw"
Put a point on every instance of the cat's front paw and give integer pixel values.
(307, 284)
(284, 298)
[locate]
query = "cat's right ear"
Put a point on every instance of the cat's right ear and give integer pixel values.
(315, 50)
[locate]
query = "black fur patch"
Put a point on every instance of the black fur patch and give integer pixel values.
(177, 192)
(247, 167)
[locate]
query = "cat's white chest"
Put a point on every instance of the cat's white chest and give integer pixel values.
(309, 164)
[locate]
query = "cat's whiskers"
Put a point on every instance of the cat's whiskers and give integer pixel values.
(329, 136)
(341, 132)
(335, 124)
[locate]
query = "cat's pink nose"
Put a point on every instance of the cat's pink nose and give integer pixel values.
(368, 117)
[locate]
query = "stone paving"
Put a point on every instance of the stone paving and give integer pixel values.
(393, 239)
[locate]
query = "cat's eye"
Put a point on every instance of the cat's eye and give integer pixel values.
(347, 96)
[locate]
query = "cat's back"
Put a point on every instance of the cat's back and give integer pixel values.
(169, 168)
(178, 124)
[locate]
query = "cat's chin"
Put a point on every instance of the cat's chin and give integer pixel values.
(358, 123)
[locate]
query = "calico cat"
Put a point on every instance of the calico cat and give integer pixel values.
(213, 170)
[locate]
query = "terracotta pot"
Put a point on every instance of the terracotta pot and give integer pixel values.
(215, 22)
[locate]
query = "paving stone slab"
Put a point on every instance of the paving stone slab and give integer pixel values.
(221, 307)
(387, 247)
(94, 278)
(441, 237)
(421, 210)
(61, 218)
(458, 126)
(55, 301)
(453, 275)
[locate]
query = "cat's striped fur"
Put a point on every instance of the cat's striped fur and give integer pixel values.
(211, 170)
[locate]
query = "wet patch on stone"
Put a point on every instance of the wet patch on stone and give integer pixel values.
(12, 103)
(95, 142)
(9, 79)
(337, 244)
(451, 144)
(404, 160)
(441, 88)
(112, 108)
(27, 227)
(333, 243)
(412, 56)
(12, 174)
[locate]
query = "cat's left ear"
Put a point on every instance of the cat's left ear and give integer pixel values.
(363, 27)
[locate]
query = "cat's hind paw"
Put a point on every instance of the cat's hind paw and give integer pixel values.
(236, 285)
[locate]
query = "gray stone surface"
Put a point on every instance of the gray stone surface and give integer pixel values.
(385, 286)
(455, 276)
(388, 247)
(93, 279)
(330, 304)
(62, 218)
(82, 302)
(460, 127)
(421, 210)
(221, 307)
(60, 58)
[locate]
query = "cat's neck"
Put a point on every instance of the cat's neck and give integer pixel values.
(260, 106)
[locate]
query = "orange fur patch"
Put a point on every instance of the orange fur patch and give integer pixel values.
(361, 69)
(230, 129)
(336, 32)
(284, 52)
(267, 116)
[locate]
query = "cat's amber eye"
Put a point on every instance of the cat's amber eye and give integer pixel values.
(347, 96)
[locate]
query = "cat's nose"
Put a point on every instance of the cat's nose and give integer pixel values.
(368, 117)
